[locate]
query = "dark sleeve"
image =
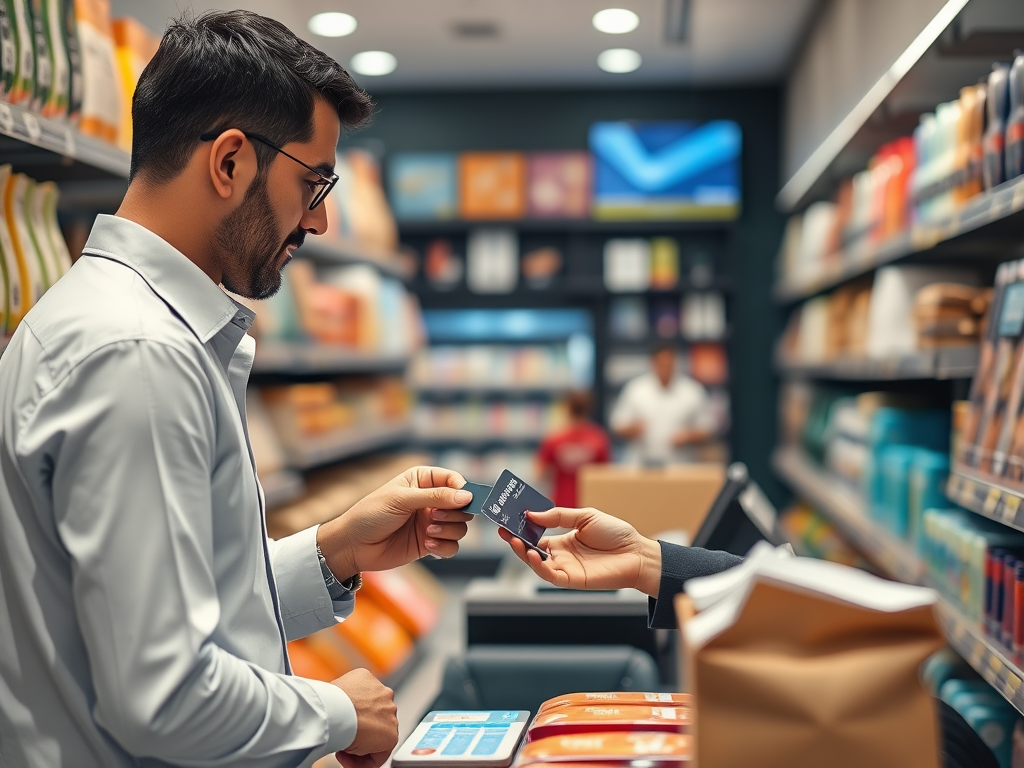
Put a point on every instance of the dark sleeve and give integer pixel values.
(678, 564)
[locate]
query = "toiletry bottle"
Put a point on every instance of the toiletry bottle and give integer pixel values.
(997, 103)
(1014, 151)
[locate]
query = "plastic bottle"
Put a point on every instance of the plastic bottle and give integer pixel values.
(997, 106)
(1014, 152)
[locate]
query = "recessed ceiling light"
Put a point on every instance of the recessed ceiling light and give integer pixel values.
(332, 24)
(373, 63)
(616, 21)
(619, 60)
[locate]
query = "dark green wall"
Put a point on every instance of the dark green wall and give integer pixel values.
(538, 120)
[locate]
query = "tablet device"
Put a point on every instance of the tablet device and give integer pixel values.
(739, 517)
(468, 739)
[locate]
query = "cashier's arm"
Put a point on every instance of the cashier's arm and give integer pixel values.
(599, 552)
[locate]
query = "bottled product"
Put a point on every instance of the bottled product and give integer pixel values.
(43, 62)
(8, 52)
(29, 267)
(997, 106)
(24, 77)
(135, 47)
(1014, 152)
(55, 103)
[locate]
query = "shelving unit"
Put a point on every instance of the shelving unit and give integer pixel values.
(49, 149)
(281, 487)
(895, 559)
(316, 452)
(303, 359)
(945, 363)
(332, 251)
(984, 497)
(490, 389)
(990, 221)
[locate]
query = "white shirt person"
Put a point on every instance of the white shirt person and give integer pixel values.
(662, 414)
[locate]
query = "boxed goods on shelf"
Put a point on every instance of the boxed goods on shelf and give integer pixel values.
(504, 366)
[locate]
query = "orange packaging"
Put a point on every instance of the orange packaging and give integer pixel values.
(639, 698)
(376, 636)
(492, 185)
(134, 47)
(666, 750)
(306, 663)
(608, 719)
(402, 600)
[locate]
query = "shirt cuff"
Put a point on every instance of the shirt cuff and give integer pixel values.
(342, 721)
(306, 605)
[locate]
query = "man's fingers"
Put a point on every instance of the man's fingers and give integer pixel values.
(434, 477)
(441, 548)
(372, 760)
(450, 516)
(439, 498)
(562, 517)
(447, 531)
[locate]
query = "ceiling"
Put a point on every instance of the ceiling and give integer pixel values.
(539, 43)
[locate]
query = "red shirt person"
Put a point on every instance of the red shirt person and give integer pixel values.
(563, 453)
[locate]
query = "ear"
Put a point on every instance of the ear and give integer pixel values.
(232, 164)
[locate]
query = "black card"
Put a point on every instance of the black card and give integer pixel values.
(479, 491)
(507, 504)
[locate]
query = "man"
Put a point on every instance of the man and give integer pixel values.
(603, 552)
(143, 611)
(662, 413)
(581, 442)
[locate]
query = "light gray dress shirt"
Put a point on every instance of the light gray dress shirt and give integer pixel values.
(143, 610)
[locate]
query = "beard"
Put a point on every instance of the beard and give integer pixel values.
(250, 245)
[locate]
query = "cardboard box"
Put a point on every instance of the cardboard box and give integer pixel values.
(653, 500)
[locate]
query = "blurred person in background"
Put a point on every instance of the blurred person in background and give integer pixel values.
(563, 453)
(662, 414)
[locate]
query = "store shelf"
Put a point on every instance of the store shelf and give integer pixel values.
(301, 359)
(49, 149)
(316, 452)
(478, 441)
(947, 363)
(491, 390)
(985, 497)
(994, 662)
(332, 251)
(845, 508)
(990, 220)
(282, 487)
(583, 226)
(569, 288)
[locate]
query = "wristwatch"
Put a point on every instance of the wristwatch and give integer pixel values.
(338, 590)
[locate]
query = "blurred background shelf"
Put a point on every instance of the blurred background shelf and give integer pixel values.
(845, 507)
(315, 452)
(491, 389)
(945, 363)
(983, 227)
(282, 487)
(300, 359)
(985, 497)
(333, 251)
(573, 226)
(50, 149)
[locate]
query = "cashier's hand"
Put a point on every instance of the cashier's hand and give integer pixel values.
(600, 552)
(405, 519)
(376, 720)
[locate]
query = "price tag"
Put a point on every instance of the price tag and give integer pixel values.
(35, 130)
(1010, 506)
(6, 118)
(1012, 684)
(991, 501)
(995, 665)
(967, 493)
(70, 146)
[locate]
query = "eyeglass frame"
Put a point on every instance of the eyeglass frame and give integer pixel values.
(325, 183)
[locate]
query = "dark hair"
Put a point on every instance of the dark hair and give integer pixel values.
(233, 69)
(578, 403)
(663, 346)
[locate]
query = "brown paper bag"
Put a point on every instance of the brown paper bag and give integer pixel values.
(800, 679)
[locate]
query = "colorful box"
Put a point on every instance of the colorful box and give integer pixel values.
(422, 186)
(492, 185)
(559, 185)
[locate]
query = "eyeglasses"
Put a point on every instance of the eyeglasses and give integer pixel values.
(324, 184)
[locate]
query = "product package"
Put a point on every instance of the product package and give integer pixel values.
(24, 86)
(664, 263)
(55, 101)
(658, 750)
(609, 718)
(30, 268)
(842, 630)
(492, 260)
(627, 265)
(135, 46)
(998, 105)
(44, 60)
(559, 184)
(42, 244)
(8, 52)
(12, 307)
(102, 90)
(492, 185)
(616, 698)
(423, 185)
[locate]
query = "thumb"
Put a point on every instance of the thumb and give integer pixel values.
(562, 517)
(440, 498)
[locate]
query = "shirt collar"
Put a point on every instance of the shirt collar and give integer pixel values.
(189, 291)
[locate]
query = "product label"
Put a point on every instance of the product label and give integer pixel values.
(1011, 317)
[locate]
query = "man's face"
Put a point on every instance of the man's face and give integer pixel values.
(664, 365)
(256, 240)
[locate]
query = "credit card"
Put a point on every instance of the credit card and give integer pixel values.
(507, 504)
(479, 491)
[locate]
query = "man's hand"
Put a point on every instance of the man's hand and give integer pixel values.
(689, 437)
(631, 431)
(401, 521)
(601, 552)
(376, 720)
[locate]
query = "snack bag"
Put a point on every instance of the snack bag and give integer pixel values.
(29, 267)
(609, 719)
(24, 77)
(43, 61)
(73, 46)
(136, 45)
(11, 310)
(101, 95)
(55, 101)
(41, 242)
(624, 698)
(664, 750)
(8, 51)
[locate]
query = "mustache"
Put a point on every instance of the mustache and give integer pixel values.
(296, 238)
